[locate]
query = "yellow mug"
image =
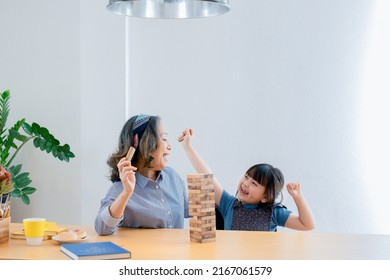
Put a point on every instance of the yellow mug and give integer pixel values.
(34, 229)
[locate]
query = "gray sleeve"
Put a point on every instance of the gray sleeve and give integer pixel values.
(105, 224)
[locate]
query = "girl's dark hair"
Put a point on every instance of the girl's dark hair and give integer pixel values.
(269, 177)
(147, 145)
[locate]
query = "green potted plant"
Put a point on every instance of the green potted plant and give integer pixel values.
(14, 138)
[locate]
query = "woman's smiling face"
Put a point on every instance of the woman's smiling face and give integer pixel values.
(161, 154)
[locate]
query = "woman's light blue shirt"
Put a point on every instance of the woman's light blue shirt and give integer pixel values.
(154, 204)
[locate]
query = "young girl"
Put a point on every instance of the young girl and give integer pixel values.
(254, 207)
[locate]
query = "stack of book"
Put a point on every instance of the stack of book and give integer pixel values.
(51, 230)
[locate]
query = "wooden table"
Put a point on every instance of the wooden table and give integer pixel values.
(174, 244)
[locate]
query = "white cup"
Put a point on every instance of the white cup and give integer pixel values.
(34, 241)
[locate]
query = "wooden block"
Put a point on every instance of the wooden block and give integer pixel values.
(207, 240)
(199, 205)
(199, 226)
(209, 217)
(209, 223)
(195, 206)
(194, 213)
(203, 219)
(199, 213)
(202, 240)
(201, 183)
(204, 232)
(207, 202)
(206, 196)
(194, 191)
(200, 175)
(208, 210)
(199, 239)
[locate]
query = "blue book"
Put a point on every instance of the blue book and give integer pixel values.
(95, 251)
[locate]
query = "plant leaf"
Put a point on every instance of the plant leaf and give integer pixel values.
(35, 128)
(37, 142)
(61, 155)
(15, 193)
(22, 183)
(70, 154)
(50, 138)
(66, 148)
(55, 151)
(27, 128)
(42, 144)
(15, 169)
(44, 132)
(28, 190)
(4, 109)
(25, 199)
(21, 176)
(5, 94)
(17, 135)
(49, 147)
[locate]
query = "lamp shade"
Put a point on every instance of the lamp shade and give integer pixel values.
(168, 8)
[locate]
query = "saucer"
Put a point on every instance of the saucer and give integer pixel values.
(78, 240)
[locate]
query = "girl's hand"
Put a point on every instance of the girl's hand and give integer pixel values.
(186, 137)
(304, 220)
(127, 175)
(294, 189)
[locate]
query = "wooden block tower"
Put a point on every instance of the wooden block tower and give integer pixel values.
(201, 202)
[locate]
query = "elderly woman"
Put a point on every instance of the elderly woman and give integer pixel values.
(145, 193)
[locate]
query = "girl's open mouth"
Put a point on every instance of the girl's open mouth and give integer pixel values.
(244, 191)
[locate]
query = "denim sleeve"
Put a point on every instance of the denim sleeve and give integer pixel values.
(105, 224)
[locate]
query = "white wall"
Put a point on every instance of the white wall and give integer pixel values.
(64, 64)
(102, 98)
(40, 64)
(276, 81)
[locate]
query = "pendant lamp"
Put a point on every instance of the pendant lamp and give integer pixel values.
(170, 9)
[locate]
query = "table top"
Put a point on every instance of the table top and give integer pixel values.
(175, 244)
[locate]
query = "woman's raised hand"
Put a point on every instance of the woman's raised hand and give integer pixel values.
(127, 175)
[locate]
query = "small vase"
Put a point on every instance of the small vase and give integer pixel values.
(4, 230)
